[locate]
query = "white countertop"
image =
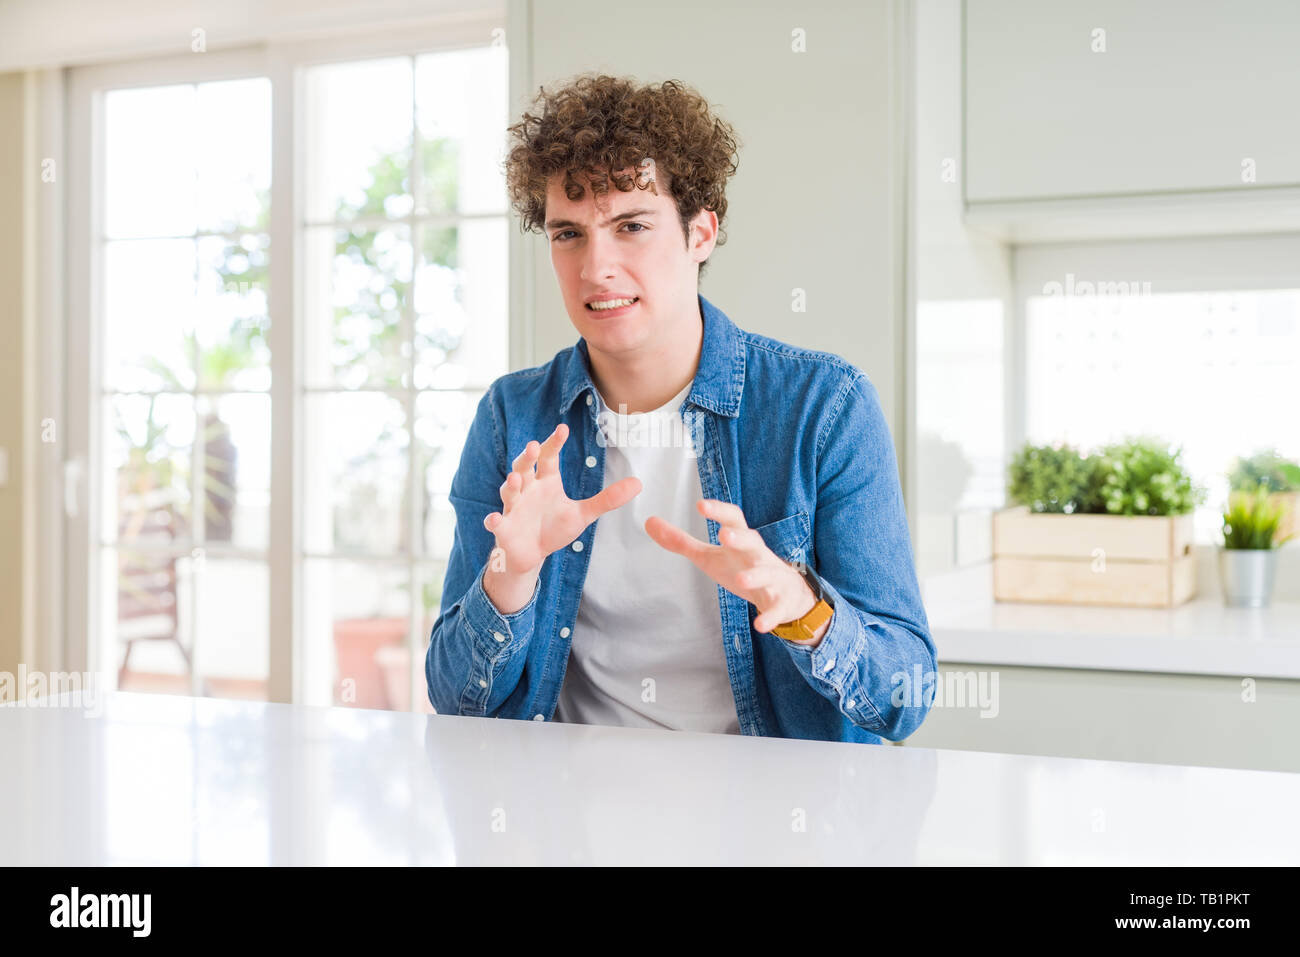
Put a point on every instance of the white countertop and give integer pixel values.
(1202, 636)
(160, 779)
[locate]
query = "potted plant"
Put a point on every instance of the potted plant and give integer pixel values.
(1144, 476)
(1112, 527)
(1282, 479)
(224, 351)
(1056, 479)
(1248, 555)
(395, 662)
(357, 645)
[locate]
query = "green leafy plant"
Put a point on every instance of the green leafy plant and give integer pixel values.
(1251, 520)
(158, 473)
(1265, 468)
(1144, 477)
(1138, 476)
(1055, 478)
(161, 474)
(370, 342)
(430, 594)
(153, 476)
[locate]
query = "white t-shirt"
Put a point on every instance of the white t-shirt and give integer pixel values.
(647, 647)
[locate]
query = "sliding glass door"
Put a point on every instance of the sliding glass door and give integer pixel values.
(289, 277)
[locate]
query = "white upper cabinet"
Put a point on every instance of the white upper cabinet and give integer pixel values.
(1115, 98)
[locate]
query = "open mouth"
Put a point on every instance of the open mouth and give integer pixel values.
(623, 304)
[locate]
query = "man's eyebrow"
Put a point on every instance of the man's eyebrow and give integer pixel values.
(568, 223)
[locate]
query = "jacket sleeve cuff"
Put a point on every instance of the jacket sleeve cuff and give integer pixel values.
(832, 667)
(496, 633)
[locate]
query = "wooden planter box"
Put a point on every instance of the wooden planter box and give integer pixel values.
(1291, 517)
(1133, 560)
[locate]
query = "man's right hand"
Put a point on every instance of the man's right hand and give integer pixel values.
(538, 518)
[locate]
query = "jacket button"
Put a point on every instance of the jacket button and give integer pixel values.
(498, 636)
(849, 703)
(538, 717)
(588, 403)
(577, 546)
(564, 632)
(482, 683)
(591, 461)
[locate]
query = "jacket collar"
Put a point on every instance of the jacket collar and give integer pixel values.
(719, 380)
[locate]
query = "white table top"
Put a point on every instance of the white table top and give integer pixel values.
(1200, 637)
(160, 779)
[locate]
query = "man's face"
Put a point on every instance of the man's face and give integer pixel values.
(626, 245)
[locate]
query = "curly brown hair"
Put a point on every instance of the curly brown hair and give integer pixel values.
(600, 125)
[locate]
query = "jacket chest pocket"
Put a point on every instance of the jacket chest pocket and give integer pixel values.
(787, 537)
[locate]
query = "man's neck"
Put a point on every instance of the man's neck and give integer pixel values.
(646, 382)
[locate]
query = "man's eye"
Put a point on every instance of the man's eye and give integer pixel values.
(640, 228)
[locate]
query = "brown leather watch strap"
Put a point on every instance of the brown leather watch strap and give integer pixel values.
(802, 629)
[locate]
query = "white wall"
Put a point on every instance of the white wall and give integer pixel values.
(816, 201)
(35, 33)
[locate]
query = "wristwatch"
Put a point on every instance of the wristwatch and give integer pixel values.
(802, 629)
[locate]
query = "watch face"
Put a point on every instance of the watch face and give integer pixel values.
(799, 630)
(813, 582)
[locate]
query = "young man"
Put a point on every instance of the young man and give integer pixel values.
(675, 523)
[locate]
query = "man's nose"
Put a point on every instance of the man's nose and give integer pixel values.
(598, 258)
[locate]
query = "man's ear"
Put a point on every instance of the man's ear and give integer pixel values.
(704, 235)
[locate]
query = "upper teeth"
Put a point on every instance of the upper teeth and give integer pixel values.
(611, 303)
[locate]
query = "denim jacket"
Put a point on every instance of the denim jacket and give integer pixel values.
(797, 439)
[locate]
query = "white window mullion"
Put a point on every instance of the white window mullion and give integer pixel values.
(198, 488)
(85, 221)
(414, 479)
(285, 643)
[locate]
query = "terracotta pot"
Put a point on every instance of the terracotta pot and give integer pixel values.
(395, 663)
(356, 644)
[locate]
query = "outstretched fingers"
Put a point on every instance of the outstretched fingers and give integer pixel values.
(525, 460)
(742, 540)
(511, 489)
(669, 536)
(618, 494)
(548, 458)
(726, 514)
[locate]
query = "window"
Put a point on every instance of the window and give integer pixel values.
(369, 313)
(185, 405)
(1195, 341)
(960, 424)
(1217, 373)
(404, 328)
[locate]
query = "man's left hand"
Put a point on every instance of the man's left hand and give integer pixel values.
(744, 565)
